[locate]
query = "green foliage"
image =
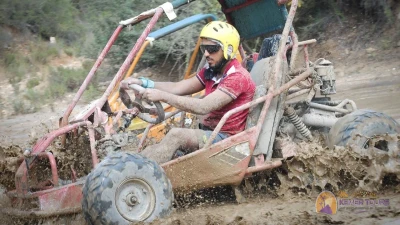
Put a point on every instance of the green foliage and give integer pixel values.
(64, 80)
(105, 16)
(380, 10)
(88, 25)
(34, 98)
(33, 82)
(91, 93)
(15, 88)
(311, 18)
(2, 107)
(19, 65)
(42, 52)
(69, 51)
(31, 102)
(16, 65)
(95, 21)
(87, 64)
(10, 58)
(55, 91)
(377, 10)
(19, 107)
(385, 44)
(70, 78)
(48, 18)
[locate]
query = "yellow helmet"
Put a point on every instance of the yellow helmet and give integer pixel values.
(225, 34)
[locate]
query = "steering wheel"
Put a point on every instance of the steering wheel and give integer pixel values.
(126, 100)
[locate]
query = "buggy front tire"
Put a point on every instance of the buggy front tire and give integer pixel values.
(126, 188)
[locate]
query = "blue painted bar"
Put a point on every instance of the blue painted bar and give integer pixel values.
(180, 24)
(179, 3)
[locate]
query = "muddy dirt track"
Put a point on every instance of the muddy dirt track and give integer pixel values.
(371, 81)
(374, 85)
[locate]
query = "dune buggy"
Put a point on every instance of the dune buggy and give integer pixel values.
(291, 100)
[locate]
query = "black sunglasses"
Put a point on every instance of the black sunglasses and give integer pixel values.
(210, 48)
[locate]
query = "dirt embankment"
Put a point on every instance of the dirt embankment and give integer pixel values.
(367, 64)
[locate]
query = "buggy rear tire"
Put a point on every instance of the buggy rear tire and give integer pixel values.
(126, 188)
(357, 127)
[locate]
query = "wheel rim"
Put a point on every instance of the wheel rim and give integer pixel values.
(135, 199)
(381, 145)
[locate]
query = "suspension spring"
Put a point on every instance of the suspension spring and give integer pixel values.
(300, 126)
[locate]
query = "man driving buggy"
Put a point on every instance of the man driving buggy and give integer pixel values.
(227, 85)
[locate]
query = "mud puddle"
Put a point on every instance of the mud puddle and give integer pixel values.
(288, 195)
(282, 210)
(8, 165)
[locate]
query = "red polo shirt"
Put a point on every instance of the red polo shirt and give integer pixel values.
(237, 83)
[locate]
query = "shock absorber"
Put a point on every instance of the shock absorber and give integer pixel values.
(300, 126)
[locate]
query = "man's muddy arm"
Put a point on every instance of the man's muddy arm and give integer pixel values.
(213, 101)
(183, 87)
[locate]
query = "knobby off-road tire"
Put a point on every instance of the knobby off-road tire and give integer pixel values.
(126, 188)
(357, 127)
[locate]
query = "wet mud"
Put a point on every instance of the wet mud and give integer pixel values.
(8, 165)
(344, 168)
(287, 195)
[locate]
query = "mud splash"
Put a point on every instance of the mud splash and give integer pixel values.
(344, 168)
(282, 196)
(8, 165)
(287, 195)
(74, 160)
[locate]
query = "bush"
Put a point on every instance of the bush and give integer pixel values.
(91, 93)
(55, 91)
(64, 80)
(47, 18)
(1, 107)
(311, 18)
(31, 102)
(16, 65)
(19, 107)
(42, 52)
(34, 98)
(377, 10)
(9, 59)
(71, 20)
(69, 51)
(33, 82)
(380, 10)
(71, 78)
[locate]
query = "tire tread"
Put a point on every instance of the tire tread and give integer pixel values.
(98, 181)
(343, 133)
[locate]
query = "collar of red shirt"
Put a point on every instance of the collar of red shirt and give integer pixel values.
(229, 70)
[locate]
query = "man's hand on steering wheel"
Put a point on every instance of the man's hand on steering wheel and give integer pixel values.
(149, 94)
(154, 95)
(145, 92)
(131, 80)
